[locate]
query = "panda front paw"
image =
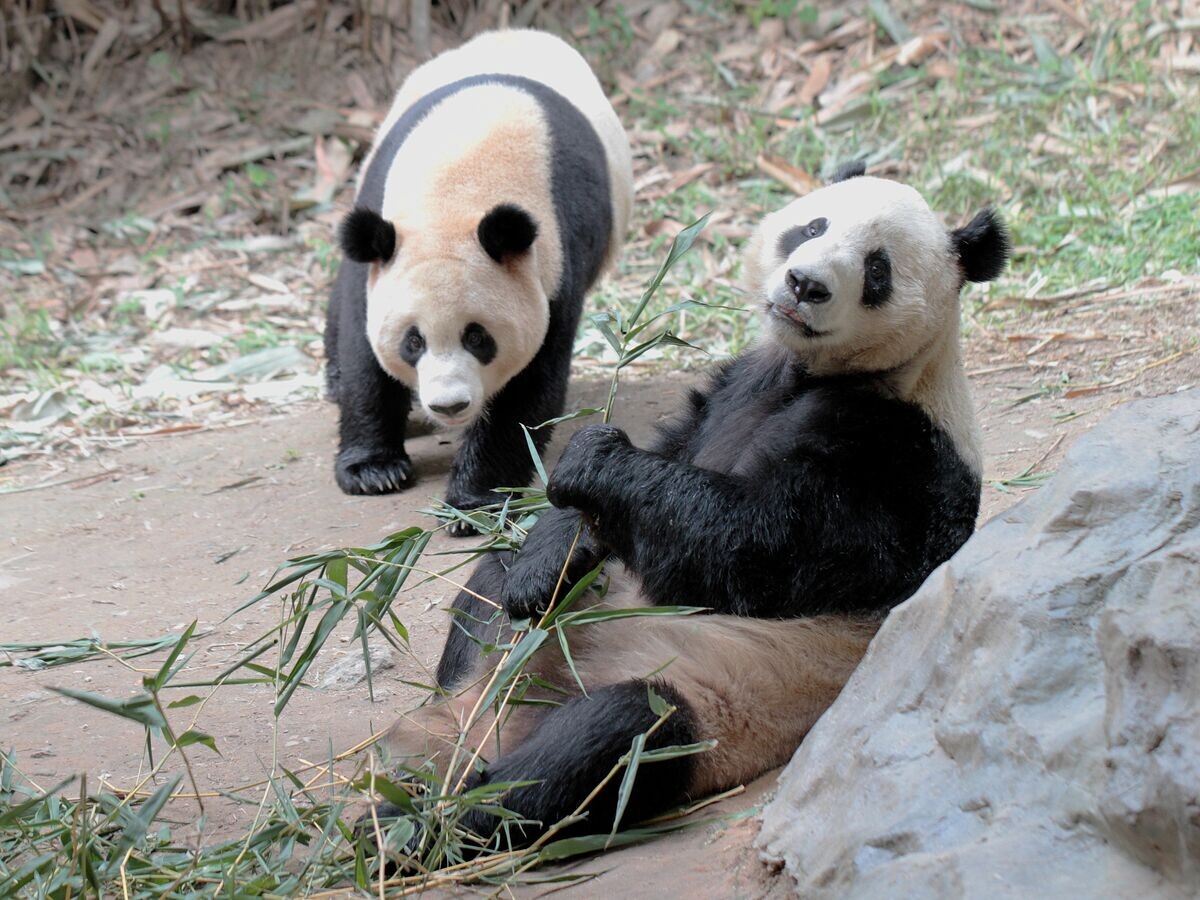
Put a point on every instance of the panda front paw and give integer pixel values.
(581, 469)
(529, 587)
(466, 503)
(373, 472)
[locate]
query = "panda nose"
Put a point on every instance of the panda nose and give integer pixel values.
(449, 409)
(805, 289)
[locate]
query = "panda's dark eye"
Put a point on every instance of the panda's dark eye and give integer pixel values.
(412, 346)
(877, 278)
(479, 343)
(798, 234)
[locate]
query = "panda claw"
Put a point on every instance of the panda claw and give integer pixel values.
(373, 475)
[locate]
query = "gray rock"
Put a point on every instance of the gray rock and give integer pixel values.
(351, 669)
(1028, 724)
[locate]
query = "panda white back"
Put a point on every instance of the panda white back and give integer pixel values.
(540, 57)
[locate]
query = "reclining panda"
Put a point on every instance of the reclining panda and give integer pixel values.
(498, 189)
(812, 486)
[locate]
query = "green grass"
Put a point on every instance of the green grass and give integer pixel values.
(1083, 206)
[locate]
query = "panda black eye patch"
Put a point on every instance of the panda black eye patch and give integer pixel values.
(798, 234)
(412, 345)
(479, 343)
(877, 278)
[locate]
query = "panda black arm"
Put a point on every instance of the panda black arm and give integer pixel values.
(666, 519)
(535, 573)
(832, 518)
(373, 406)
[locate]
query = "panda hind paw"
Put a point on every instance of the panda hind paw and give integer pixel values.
(373, 475)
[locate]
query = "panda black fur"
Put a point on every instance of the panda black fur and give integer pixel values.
(812, 486)
(498, 189)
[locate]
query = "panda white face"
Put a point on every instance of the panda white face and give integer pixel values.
(856, 276)
(454, 329)
(454, 317)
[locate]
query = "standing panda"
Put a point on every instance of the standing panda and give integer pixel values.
(498, 189)
(814, 485)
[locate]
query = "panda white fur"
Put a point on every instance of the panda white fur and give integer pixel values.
(497, 190)
(814, 484)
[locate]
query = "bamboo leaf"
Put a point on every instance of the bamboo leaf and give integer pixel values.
(516, 661)
(164, 671)
(566, 652)
(140, 708)
(537, 458)
(578, 414)
(192, 736)
(574, 594)
(591, 616)
(631, 768)
(679, 246)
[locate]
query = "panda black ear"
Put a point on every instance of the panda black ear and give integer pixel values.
(982, 246)
(367, 237)
(506, 231)
(848, 170)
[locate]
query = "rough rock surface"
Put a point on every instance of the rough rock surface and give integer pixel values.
(1028, 724)
(351, 669)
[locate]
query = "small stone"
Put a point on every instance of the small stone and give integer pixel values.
(351, 669)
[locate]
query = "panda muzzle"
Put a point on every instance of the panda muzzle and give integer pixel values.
(806, 289)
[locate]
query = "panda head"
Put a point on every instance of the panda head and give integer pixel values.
(455, 309)
(860, 276)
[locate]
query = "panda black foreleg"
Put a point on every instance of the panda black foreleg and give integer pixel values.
(559, 539)
(494, 452)
(473, 621)
(574, 748)
(374, 406)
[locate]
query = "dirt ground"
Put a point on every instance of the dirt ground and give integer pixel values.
(144, 539)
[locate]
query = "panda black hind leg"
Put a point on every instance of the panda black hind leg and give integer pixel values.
(570, 752)
(374, 406)
(473, 621)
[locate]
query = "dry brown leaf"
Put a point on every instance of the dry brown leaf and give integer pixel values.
(660, 17)
(792, 177)
(737, 52)
(687, 176)
(770, 32)
(109, 32)
(941, 69)
(817, 79)
(267, 283)
(668, 227)
(846, 90)
(918, 49)
(665, 44)
(274, 24)
(1048, 143)
(83, 11)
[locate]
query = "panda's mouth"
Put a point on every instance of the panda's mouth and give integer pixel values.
(793, 318)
